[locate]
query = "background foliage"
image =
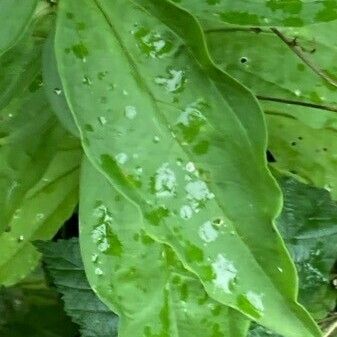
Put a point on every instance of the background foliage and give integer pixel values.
(167, 168)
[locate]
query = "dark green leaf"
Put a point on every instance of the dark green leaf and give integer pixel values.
(65, 265)
(308, 224)
(31, 309)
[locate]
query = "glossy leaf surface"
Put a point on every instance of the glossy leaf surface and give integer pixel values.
(172, 133)
(64, 263)
(140, 279)
(15, 16)
(39, 180)
(263, 12)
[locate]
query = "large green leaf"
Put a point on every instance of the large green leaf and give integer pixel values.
(38, 179)
(140, 279)
(64, 262)
(263, 12)
(300, 104)
(15, 16)
(32, 309)
(172, 133)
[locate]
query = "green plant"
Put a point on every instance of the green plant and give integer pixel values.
(190, 146)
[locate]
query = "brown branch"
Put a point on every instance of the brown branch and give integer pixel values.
(292, 44)
(299, 103)
(331, 329)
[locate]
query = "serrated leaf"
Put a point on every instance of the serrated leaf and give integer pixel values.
(32, 309)
(38, 180)
(140, 279)
(182, 147)
(65, 265)
(264, 12)
(15, 16)
(308, 224)
(300, 104)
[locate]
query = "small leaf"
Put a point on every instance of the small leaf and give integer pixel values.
(65, 265)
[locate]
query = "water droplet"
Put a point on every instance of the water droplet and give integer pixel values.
(186, 212)
(297, 92)
(125, 93)
(156, 139)
(280, 269)
(225, 273)
(207, 232)
(198, 190)
(86, 80)
(94, 257)
(174, 82)
(130, 112)
(21, 238)
(190, 167)
(165, 182)
(102, 120)
(57, 91)
(98, 271)
(151, 43)
(121, 158)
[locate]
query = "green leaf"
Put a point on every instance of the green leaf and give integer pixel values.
(65, 265)
(22, 62)
(300, 103)
(32, 309)
(15, 16)
(308, 224)
(263, 13)
(53, 87)
(140, 279)
(182, 147)
(38, 180)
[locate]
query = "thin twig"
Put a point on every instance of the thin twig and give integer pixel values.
(331, 329)
(300, 103)
(291, 43)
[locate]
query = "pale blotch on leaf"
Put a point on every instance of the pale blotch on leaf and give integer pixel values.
(186, 212)
(225, 273)
(207, 232)
(121, 158)
(130, 112)
(165, 182)
(175, 81)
